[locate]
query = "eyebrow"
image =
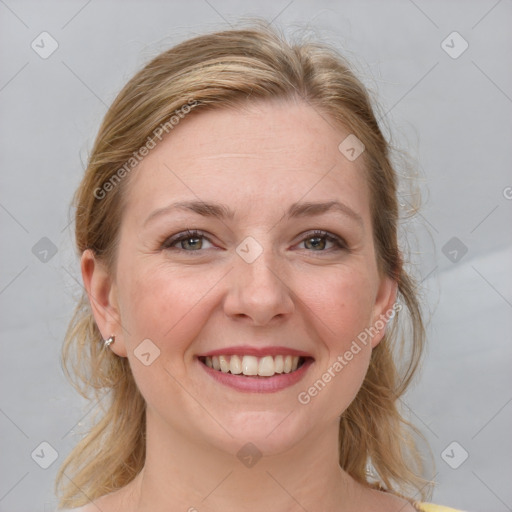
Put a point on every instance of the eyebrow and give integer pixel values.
(221, 211)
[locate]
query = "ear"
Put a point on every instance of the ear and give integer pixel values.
(102, 292)
(383, 309)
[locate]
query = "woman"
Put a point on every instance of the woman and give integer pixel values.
(237, 226)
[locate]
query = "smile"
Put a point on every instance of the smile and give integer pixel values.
(252, 374)
(252, 366)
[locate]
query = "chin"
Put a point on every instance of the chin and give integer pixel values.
(265, 432)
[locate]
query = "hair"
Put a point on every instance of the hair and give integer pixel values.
(228, 69)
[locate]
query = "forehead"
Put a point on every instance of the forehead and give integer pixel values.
(267, 153)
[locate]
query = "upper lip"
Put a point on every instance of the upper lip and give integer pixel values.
(256, 351)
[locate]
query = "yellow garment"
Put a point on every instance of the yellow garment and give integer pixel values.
(430, 507)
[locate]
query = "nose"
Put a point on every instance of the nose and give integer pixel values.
(259, 290)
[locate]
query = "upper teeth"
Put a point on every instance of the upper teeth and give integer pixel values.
(251, 365)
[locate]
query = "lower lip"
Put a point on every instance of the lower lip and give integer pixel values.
(249, 384)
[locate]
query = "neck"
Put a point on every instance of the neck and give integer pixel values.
(181, 474)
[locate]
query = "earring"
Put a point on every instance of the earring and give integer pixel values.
(109, 341)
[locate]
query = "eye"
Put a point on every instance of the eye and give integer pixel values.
(191, 238)
(318, 239)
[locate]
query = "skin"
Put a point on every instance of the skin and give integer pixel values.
(257, 161)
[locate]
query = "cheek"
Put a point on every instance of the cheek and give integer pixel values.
(341, 304)
(163, 304)
(170, 305)
(341, 311)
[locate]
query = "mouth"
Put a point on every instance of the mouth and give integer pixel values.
(250, 369)
(256, 367)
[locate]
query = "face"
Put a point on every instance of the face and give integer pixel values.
(272, 279)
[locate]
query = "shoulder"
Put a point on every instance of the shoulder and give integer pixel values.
(431, 507)
(90, 507)
(388, 502)
(98, 505)
(394, 504)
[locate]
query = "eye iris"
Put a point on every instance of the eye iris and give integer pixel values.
(316, 245)
(196, 238)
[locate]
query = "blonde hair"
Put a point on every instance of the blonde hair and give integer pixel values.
(221, 70)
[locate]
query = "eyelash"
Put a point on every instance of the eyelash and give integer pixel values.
(193, 233)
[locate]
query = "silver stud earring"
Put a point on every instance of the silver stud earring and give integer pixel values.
(109, 341)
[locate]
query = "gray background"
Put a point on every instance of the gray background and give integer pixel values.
(452, 115)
